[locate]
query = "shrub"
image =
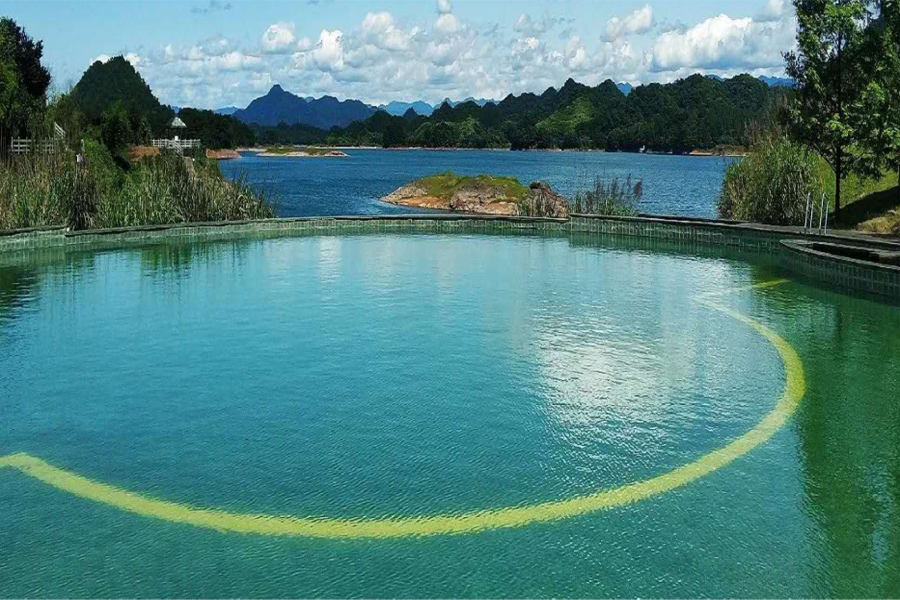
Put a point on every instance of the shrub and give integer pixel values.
(771, 184)
(614, 198)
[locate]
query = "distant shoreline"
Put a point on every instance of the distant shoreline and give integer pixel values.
(732, 153)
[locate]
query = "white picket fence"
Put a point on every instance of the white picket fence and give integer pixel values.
(179, 145)
(29, 146)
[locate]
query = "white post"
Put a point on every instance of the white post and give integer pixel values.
(806, 214)
(821, 208)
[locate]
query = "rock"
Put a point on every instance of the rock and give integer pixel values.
(473, 197)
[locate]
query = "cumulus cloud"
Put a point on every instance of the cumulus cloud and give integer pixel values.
(638, 22)
(328, 54)
(380, 30)
(444, 7)
(723, 43)
(279, 37)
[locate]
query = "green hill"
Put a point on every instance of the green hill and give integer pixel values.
(116, 80)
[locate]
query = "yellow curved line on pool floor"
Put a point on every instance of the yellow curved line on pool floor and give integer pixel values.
(321, 527)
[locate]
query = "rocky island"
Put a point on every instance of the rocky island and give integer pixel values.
(482, 194)
(303, 152)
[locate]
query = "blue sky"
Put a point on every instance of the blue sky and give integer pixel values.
(215, 53)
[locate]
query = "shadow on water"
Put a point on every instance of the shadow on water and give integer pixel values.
(176, 260)
(17, 286)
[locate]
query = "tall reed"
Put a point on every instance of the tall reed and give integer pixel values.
(48, 190)
(614, 198)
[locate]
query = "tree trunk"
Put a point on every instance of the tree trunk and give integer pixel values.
(838, 175)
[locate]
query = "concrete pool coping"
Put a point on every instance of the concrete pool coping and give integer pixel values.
(791, 246)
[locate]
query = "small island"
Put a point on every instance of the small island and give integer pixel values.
(302, 152)
(481, 194)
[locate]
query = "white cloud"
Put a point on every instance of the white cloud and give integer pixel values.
(534, 28)
(638, 22)
(446, 23)
(329, 52)
(724, 43)
(774, 10)
(104, 58)
(444, 7)
(279, 37)
(380, 30)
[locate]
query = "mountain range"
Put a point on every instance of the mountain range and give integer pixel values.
(279, 106)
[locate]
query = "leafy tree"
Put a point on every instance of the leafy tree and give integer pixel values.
(23, 79)
(115, 129)
(826, 67)
(878, 111)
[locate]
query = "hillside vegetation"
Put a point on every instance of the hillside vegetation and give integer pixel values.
(97, 177)
(697, 113)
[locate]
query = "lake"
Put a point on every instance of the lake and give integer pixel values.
(304, 187)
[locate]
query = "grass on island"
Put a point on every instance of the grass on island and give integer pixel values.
(444, 185)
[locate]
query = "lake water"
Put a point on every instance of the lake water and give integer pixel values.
(434, 416)
(677, 185)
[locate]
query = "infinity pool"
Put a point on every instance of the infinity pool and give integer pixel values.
(442, 415)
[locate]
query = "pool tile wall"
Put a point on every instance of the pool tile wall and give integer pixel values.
(843, 272)
(788, 244)
(883, 280)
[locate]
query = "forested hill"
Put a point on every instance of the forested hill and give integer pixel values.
(697, 113)
(115, 89)
(116, 80)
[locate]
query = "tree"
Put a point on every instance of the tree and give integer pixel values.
(23, 79)
(115, 128)
(826, 68)
(878, 112)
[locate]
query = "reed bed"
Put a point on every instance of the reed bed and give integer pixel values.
(96, 193)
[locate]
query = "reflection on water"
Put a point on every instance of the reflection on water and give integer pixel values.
(470, 371)
(850, 442)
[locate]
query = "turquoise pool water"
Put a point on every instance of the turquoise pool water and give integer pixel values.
(403, 377)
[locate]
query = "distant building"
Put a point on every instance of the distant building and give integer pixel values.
(177, 130)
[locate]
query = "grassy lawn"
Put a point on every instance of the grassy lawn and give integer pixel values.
(444, 185)
(868, 205)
